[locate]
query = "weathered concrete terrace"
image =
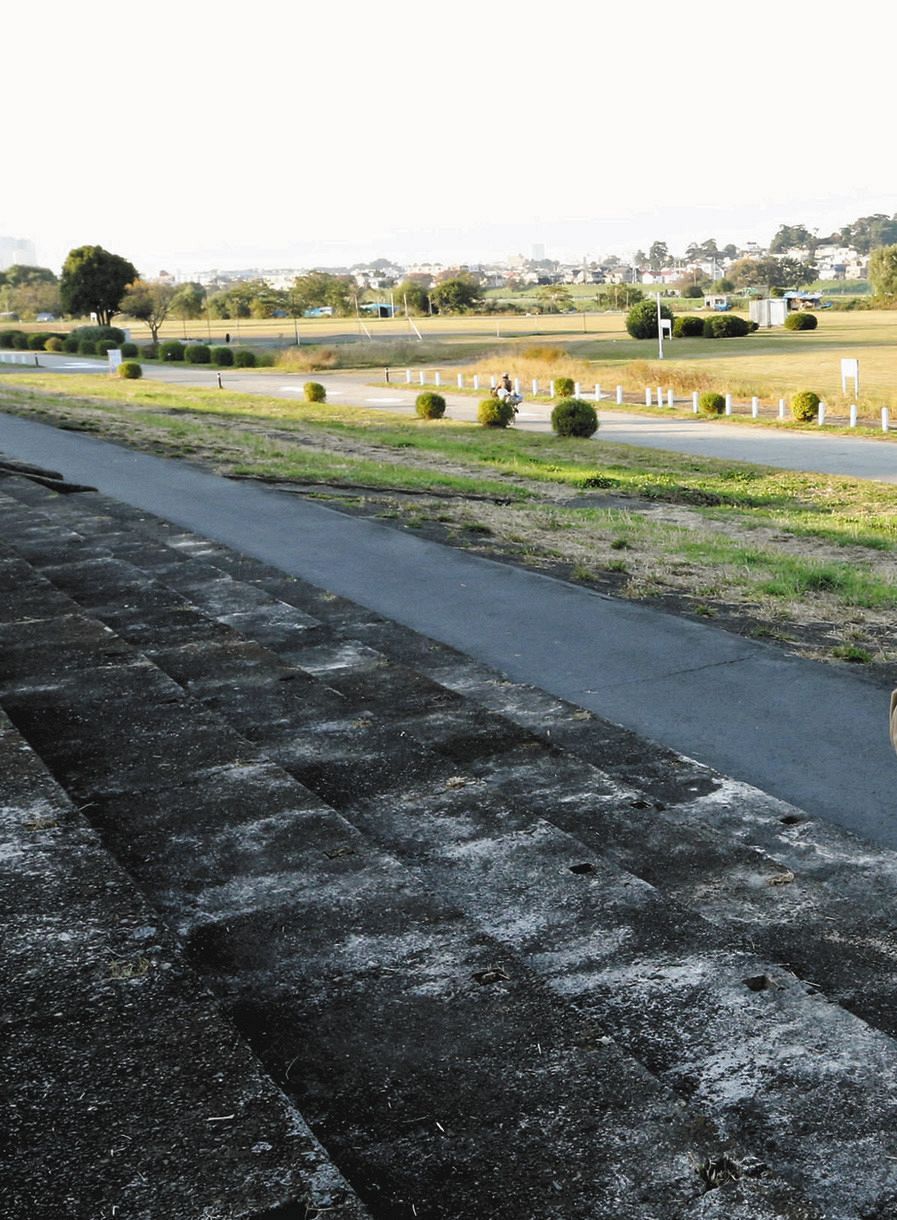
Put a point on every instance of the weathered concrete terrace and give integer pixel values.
(307, 915)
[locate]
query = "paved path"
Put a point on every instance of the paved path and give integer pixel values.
(811, 734)
(830, 454)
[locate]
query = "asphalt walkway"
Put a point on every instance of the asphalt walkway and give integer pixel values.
(808, 733)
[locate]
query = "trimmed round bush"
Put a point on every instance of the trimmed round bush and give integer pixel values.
(150, 351)
(710, 403)
(87, 347)
(725, 326)
(429, 405)
(244, 358)
(641, 321)
(314, 392)
(805, 406)
(689, 326)
(37, 342)
(564, 387)
(172, 350)
(493, 413)
(20, 341)
(222, 356)
(70, 344)
(53, 344)
(105, 345)
(574, 417)
(198, 353)
(130, 370)
(801, 320)
(129, 351)
(6, 338)
(100, 332)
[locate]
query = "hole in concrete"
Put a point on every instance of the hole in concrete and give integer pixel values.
(582, 868)
(495, 975)
(791, 819)
(759, 982)
(338, 852)
(715, 1170)
(639, 804)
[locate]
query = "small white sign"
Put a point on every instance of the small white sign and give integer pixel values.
(850, 368)
(114, 355)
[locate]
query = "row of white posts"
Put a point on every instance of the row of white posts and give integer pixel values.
(18, 358)
(654, 395)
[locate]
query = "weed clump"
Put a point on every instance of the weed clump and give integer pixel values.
(314, 392)
(564, 387)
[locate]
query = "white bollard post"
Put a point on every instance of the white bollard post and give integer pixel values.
(728, 404)
(647, 396)
(438, 377)
(694, 401)
(422, 377)
(755, 407)
(660, 396)
(493, 382)
(619, 395)
(597, 392)
(535, 387)
(576, 389)
(517, 386)
(460, 381)
(853, 415)
(551, 389)
(885, 419)
(781, 408)
(820, 419)
(476, 381)
(408, 376)
(671, 402)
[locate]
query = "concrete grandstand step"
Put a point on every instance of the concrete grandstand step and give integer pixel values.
(418, 1043)
(126, 1091)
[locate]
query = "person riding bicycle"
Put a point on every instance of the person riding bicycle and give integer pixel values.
(505, 392)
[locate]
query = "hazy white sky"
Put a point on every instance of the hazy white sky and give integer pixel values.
(193, 135)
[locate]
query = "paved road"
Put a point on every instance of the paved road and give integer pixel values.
(829, 454)
(811, 734)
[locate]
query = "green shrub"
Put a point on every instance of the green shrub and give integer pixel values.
(37, 342)
(150, 351)
(244, 358)
(105, 345)
(198, 353)
(222, 356)
(564, 387)
(641, 321)
(801, 321)
(689, 326)
(172, 350)
(725, 326)
(130, 370)
(710, 403)
(87, 347)
(493, 413)
(692, 292)
(70, 344)
(314, 392)
(100, 332)
(53, 344)
(20, 341)
(574, 417)
(429, 405)
(805, 406)
(7, 337)
(129, 351)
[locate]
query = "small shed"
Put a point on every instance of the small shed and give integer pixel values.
(717, 301)
(769, 311)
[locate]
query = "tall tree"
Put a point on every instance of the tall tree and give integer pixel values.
(457, 295)
(792, 237)
(658, 256)
(148, 301)
(883, 271)
(320, 288)
(94, 281)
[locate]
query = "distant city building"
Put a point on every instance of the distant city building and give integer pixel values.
(16, 251)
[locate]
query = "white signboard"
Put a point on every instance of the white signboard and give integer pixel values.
(850, 368)
(114, 355)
